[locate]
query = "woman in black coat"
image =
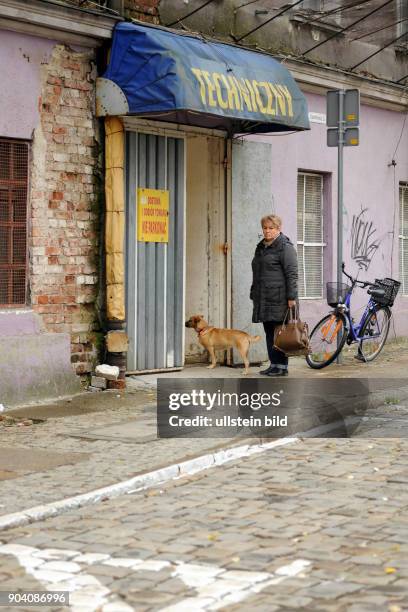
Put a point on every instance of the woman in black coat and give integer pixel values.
(274, 287)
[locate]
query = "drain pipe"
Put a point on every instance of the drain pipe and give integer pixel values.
(228, 237)
(116, 337)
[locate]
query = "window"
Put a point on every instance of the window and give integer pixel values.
(403, 237)
(13, 221)
(310, 234)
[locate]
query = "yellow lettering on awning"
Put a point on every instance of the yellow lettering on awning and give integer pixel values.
(229, 92)
(269, 109)
(245, 95)
(259, 100)
(284, 89)
(280, 100)
(252, 93)
(211, 88)
(217, 77)
(234, 99)
(197, 74)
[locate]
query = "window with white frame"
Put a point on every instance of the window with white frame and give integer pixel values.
(403, 237)
(310, 243)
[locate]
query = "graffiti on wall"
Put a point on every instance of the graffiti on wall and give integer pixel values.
(363, 242)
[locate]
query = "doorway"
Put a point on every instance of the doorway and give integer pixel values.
(154, 270)
(207, 236)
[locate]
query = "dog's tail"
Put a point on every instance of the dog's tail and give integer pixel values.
(254, 339)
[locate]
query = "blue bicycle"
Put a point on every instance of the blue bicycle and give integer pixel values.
(338, 327)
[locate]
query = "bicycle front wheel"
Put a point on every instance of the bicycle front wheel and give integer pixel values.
(374, 333)
(327, 340)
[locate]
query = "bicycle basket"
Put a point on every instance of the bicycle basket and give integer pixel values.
(390, 287)
(336, 293)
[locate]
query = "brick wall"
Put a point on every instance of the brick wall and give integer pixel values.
(144, 10)
(66, 203)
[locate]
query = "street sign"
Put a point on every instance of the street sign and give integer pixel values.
(350, 138)
(351, 108)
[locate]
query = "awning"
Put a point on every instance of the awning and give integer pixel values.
(181, 78)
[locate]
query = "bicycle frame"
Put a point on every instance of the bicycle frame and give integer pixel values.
(354, 330)
(339, 327)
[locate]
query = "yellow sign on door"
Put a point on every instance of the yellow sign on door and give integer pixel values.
(153, 215)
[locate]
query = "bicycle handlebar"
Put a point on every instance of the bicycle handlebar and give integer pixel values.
(355, 281)
(365, 283)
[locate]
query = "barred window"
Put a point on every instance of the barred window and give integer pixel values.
(13, 221)
(403, 237)
(310, 243)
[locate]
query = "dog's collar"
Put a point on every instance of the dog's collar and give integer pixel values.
(204, 331)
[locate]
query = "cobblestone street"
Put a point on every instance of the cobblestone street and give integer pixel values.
(93, 440)
(243, 159)
(314, 525)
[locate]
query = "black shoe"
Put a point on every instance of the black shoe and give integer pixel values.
(267, 370)
(277, 372)
(360, 357)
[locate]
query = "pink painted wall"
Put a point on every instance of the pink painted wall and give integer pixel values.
(369, 182)
(21, 57)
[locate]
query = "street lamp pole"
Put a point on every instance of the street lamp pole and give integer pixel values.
(341, 129)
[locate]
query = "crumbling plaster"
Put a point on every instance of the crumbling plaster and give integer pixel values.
(283, 36)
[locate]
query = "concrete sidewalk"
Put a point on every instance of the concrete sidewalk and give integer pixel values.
(391, 363)
(57, 450)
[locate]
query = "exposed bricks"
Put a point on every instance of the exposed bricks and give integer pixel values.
(142, 5)
(144, 10)
(64, 191)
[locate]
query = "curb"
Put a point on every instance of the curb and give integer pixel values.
(151, 479)
(179, 470)
(135, 484)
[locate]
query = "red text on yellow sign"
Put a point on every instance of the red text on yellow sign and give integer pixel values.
(152, 215)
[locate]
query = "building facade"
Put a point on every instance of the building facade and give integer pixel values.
(303, 191)
(51, 190)
(59, 224)
(295, 175)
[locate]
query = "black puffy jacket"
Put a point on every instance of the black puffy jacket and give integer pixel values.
(275, 279)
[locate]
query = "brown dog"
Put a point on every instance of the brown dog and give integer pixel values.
(214, 339)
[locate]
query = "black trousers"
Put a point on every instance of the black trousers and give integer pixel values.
(276, 357)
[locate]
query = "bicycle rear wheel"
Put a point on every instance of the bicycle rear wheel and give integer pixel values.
(374, 333)
(327, 340)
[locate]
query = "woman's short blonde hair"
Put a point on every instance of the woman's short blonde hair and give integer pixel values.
(274, 219)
